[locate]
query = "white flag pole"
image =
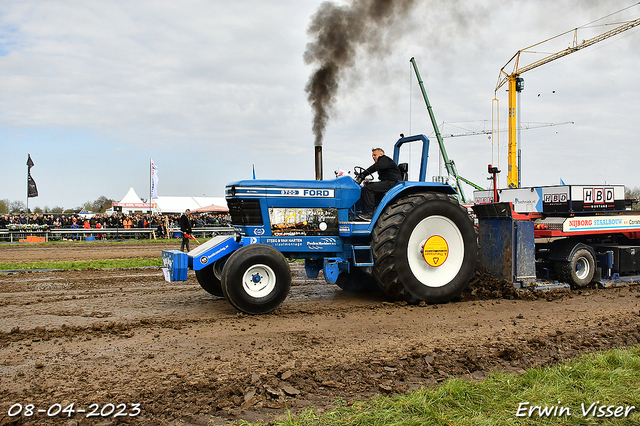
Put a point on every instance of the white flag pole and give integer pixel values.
(150, 183)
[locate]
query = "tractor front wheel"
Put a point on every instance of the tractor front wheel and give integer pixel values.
(210, 277)
(256, 279)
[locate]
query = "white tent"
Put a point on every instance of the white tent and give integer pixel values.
(132, 203)
(168, 205)
(131, 197)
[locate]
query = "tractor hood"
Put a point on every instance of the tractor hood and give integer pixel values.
(339, 193)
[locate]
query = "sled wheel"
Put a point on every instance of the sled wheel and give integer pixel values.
(256, 279)
(424, 248)
(357, 281)
(579, 270)
(210, 277)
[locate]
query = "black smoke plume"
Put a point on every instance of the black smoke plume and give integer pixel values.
(338, 32)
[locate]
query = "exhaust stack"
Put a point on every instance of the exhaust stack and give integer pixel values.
(318, 162)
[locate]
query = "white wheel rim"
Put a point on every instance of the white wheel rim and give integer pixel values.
(582, 268)
(438, 276)
(259, 281)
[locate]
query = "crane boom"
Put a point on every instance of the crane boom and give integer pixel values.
(449, 164)
(524, 126)
(504, 77)
(516, 84)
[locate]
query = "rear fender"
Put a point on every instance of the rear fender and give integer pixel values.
(402, 189)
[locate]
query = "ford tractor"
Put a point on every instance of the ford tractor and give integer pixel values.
(420, 244)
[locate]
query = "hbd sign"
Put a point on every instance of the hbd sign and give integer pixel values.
(597, 195)
(555, 198)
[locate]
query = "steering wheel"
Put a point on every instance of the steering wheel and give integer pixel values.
(358, 171)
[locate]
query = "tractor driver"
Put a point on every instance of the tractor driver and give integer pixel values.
(388, 174)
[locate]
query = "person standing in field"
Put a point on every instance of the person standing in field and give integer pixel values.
(185, 229)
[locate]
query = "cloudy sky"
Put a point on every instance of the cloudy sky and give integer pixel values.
(207, 89)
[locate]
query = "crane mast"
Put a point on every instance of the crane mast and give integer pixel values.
(516, 85)
(449, 164)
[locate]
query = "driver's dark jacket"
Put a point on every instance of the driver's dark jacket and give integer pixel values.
(387, 169)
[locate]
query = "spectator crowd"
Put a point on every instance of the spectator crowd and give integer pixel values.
(135, 220)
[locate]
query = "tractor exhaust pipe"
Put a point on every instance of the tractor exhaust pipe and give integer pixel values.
(318, 162)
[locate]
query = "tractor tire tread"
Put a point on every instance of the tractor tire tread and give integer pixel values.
(384, 237)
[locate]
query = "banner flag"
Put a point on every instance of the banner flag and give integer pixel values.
(32, 189)
(154, 180)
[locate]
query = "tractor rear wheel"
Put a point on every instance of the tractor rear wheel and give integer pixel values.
(424, 248)
(256, 279)
(210, 277)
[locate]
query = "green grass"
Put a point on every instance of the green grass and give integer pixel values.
(84, 264)
(612, 377)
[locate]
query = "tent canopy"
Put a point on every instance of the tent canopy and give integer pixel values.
(213, 208)
(131, 203)
(131, 197)
(176, 205)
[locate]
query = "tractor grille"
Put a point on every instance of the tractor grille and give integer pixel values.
(245, 212)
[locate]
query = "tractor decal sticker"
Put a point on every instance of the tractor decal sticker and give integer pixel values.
(167, 260)
(345, 230)
(287, 192)
(322, 243)
(205, 259)
(285, 242)
(303, 221)
(435, 251)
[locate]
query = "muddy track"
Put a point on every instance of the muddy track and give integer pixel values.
(83, 251)
(127, 336)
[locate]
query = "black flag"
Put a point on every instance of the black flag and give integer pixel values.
(32, 189)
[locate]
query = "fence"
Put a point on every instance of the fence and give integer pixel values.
(79, 234)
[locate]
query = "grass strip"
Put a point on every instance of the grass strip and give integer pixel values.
(84, 264)
(130, 241)
(554, 395)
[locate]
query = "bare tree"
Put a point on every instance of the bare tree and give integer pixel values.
(17, 207)
(101, 204)
(4, 206)
(633, 194)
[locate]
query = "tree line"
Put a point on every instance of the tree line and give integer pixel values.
(633, 194)
(100, 205)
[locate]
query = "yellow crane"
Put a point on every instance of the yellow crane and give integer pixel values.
(516, 85)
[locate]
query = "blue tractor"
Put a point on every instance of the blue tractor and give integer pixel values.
(419, 245)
